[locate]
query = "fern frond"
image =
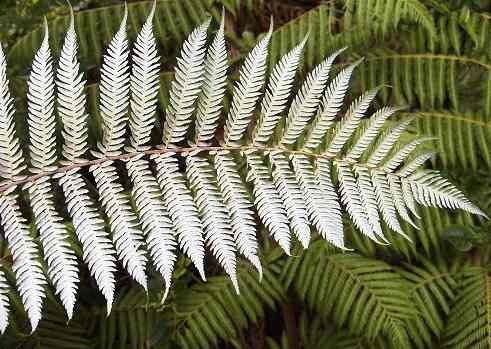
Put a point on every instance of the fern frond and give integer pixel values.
(214, 214)
(385, 201)
(127, 236)
(416, 163)
(307, 100)
(287, 186)
(89, 227)
(331, 104)
(214, 85)
(4, 303)
(321, 199)
(114, 93)
(431, 189)
(268, 202)
(239, 206)
(144, 84)
(247, 91)
(351, 121)
(277, 94)
(154, 218)
(29, 275)
(41, 117)
(376, 122)
(182, 209)
(351, 198)
(186, 86)
(71, 98)
(62, 264)
(387, 142)
(397, 159)
(395, 187)
(98, 251)
(369, 201)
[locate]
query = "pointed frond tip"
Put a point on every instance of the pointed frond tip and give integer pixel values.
(283, 161)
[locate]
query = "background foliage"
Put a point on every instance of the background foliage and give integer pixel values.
(435, 57)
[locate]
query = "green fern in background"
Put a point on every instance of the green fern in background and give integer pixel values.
(433, 292)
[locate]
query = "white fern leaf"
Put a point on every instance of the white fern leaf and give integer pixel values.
(277, 93)
(41, 117)
(407, 194)
(268, 202)
(4, 303)
(351, 120)
(322, 202)
(71, 98)
(29, 274)
(369, 200)
(387, 142)
(182, 209)
(127, 236)
(247, 91)
(11, 158)
(376, 122)
(186, 86)
(144, 85)
(307, 100)
(61, 260)
(414, 164)
(98, 251)
(397, 159)
(385, 201)
(114, 93)
(431, 189)
(331, 104)
(351, 198)
(239, 207)
(287, 186)
(214, 214)
(214, 86)
(398, 198)
(154, 218)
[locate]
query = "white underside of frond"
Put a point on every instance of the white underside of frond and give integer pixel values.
(289, 189)
(182, 209)
(214, 215)
(98, 251)
(321, 199)
(186, 86)
(28, 271)
(398, 199)
(307, 100)
(4, 303)
(239, 207)
(127, 236)
(154, 218)
(61, 260)
(268, 202)
(247, 91)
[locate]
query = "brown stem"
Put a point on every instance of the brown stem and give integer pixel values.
(291, 326)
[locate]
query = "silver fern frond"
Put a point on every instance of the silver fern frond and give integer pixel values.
(27, 269)
(186, 86)
(214, 214)
(114, 93)
(307, 100)
(71, 98)
(144, 85)
(183, 212)
(214, 84)
(4, 303)
(277, 94)
(247, 91)
(291, 175)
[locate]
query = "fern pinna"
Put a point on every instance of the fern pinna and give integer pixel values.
(289, 166)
